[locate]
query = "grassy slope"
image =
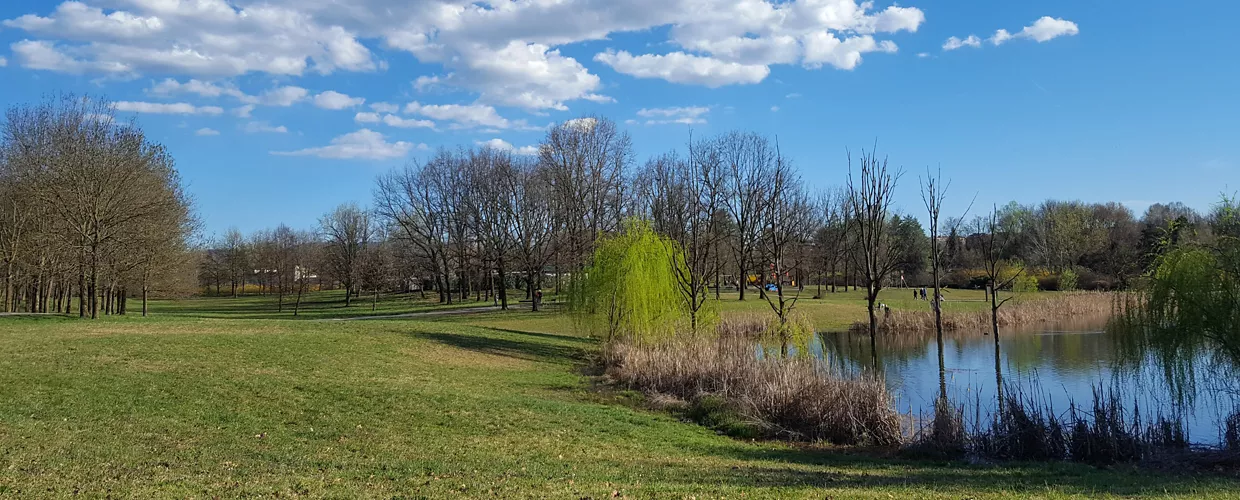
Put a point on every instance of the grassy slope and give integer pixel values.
(475, 405)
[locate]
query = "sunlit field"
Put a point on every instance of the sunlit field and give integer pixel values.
(209, 397)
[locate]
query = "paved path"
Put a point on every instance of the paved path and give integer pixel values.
(442, 312)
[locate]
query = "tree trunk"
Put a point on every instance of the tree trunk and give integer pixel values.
(503, 286)
(742, 282)
(301, 288)
(994, 311)
(81, 293)
(94, 281)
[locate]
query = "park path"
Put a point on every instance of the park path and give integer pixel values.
(422, 314)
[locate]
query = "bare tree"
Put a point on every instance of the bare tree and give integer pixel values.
(236, 259)
(529, 190)
(995, 242)
(494, 218)
(870, 196)
(347, 231)
(785, 225)
(830, 237)
(102, 195)
(408, 199)
(586, 159)
(933, 192)
(378, 266)
(681, 196)
(748, 160)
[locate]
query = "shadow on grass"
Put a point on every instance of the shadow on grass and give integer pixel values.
(549, 336)
(538, 349)
(851, 468)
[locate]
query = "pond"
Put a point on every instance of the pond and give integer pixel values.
(1054, 362)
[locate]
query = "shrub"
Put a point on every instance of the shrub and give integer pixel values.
(1068, 281)
(1025, 284)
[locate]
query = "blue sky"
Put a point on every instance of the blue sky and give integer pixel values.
(261, 102)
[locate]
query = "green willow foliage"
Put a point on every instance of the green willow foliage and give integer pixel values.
(630, 289)
(1191, 310)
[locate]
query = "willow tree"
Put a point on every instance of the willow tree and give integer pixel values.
(1192, 308)
(629, 290)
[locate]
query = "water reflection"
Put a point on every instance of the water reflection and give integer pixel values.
(1058, 363)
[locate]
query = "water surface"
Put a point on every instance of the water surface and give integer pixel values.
(1055, 362)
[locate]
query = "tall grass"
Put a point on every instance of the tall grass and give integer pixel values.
(1015, 313)
(1028, 428)
(781, 397)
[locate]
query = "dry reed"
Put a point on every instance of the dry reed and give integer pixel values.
(1016, 313)
(792, 398)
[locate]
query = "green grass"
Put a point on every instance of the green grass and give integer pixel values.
(477, 405)
(834, 311)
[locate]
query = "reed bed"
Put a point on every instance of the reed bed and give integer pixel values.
(1015, 313)
(788, 398)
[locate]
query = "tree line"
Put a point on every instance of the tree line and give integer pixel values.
(482, 221)
(93, 210)
(90, 209)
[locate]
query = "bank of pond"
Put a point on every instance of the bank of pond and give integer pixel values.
(1066, 389)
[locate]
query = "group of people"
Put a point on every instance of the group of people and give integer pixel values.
(921, 294)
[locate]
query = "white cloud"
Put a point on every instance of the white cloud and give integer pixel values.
(793, 95)
(179, 108)
(207, 131)
(679, 67)
(335, 100)
(585, 123)
(3, 62)
(424, 83)
(44, 55)
(527, 75)
(683, 115)
(243, 111)
(366, 117)
(1000, 36)
(923, 55)
(263, 127)
(463, 116)
(506, 52)
(954, 43)
(825, 48)
(170, 87)
(384, 107)
(365, 144)
(503, 145)
(396, 121)
(1047, 28)
(199, 37)
(284, 96)
(774, 108)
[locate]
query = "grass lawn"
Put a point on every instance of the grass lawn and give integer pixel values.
(834, 311)
(489, 404)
